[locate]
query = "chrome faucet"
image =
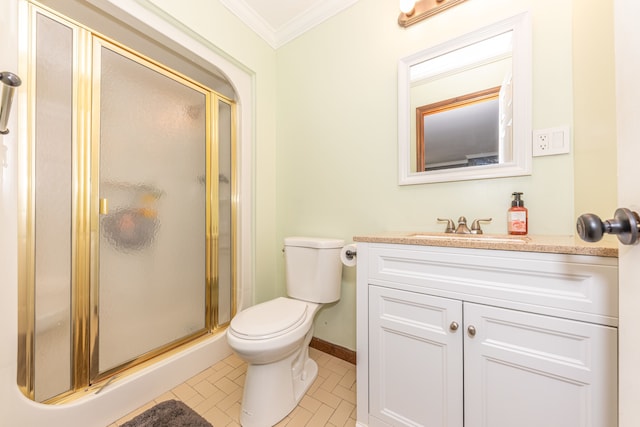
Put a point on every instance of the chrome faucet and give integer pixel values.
(462, 226)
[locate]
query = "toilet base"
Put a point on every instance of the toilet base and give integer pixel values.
(273, 390)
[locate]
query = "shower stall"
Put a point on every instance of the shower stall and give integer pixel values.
(127, 207)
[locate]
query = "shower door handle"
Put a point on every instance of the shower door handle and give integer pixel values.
(104, 207)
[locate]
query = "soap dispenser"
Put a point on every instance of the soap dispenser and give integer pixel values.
(517, 216)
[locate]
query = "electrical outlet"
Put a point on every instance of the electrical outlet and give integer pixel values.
(540, 143)
(548, 142)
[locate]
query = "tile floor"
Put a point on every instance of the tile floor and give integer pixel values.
(216, 394)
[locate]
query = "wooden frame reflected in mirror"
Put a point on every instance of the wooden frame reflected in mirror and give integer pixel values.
(447, 144)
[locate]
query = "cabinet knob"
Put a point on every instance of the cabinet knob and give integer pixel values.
(454, 326)
(472, 331)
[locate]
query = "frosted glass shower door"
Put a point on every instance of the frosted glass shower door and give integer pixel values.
(152, 205)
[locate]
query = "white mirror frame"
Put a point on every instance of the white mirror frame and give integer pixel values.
(522, 101)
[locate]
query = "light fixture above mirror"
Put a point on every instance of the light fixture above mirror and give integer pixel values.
(412, 11)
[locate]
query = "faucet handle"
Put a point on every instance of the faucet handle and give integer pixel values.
(475, 226)
(450, 227)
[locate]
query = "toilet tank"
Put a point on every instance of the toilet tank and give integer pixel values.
(313, 268)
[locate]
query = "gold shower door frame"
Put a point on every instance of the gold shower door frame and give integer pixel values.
(85, 223)
(211, 187)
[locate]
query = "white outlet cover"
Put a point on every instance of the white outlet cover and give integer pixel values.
(551, 141)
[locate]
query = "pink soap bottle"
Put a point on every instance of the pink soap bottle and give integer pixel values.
(517, 216)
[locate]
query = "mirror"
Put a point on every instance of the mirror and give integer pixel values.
(465, 106)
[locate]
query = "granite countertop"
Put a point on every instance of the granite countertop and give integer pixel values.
(571, 245)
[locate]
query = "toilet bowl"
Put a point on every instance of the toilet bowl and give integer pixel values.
(279, 370)
(273, 337)
(272, 330)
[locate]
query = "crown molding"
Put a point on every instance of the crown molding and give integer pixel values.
(296, 26)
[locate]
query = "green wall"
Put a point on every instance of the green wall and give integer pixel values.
(326, 128)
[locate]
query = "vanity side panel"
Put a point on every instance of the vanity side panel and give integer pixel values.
(362, 335)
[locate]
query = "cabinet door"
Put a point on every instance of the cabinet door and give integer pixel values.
(415, 359)
(529, 370)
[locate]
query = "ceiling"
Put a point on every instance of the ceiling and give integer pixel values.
(280, 21)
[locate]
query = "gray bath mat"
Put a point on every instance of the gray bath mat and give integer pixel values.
(171, 413)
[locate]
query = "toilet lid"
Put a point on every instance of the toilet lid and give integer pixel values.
(269, 319)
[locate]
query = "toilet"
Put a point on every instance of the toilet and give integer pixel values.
(273, 337)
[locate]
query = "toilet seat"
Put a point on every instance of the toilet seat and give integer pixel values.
(269, 319)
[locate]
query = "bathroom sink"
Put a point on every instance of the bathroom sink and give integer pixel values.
(489, 238)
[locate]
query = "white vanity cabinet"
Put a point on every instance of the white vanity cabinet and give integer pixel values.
(471, 337)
